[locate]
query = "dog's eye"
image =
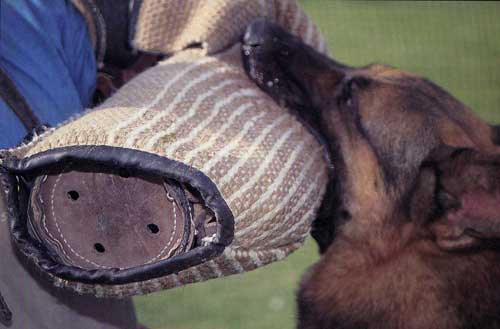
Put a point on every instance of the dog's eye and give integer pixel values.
(350, 88)
(346, 95)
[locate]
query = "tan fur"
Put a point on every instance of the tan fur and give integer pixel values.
(379, 271)
(410, 227)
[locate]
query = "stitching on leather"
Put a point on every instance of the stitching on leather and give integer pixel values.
(169, 197)
(44, 222)
(54, 239)
(62, 235)
(52, 196)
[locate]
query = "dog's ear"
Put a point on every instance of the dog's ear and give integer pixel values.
(457, 197)
(427, 198)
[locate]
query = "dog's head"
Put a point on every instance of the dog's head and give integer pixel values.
(380, 123)
(412, 165)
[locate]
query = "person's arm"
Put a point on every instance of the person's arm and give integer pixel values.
(46, 51)
(47, 54)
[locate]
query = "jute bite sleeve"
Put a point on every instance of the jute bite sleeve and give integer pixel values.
(189, 172)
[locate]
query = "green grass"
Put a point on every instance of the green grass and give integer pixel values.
(262, 299)
(456, 45)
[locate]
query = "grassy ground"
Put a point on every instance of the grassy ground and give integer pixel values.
(454, 44)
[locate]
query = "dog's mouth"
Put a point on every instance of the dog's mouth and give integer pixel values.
(270, 55)
(286, 68)
(269, 52)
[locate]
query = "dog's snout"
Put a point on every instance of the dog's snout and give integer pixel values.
(265, 34)
(256, 33)
(251, 39)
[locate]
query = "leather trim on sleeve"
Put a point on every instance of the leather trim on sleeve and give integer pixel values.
(17, 175)
(17, 103)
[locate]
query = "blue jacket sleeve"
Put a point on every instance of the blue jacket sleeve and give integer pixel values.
(46, 50)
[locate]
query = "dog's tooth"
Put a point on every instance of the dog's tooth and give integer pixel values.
(276, 80)
(270, 84)
(247, 52)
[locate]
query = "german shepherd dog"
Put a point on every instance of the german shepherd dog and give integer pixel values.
(409, 229)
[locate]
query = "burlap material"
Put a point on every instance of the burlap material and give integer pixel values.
(204, 111)
(170, 25)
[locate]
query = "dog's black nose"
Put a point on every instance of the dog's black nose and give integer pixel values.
(257, 32)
